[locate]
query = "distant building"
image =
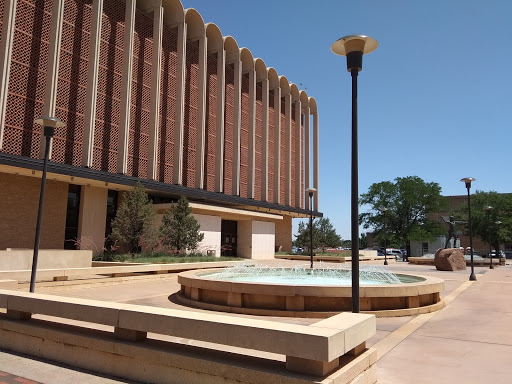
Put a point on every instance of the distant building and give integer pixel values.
(148, 92)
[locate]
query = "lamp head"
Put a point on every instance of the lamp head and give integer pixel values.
(46, 121)
(49, 124)
(354, 47)
(488, 208)
(468, 181)
(311, 191)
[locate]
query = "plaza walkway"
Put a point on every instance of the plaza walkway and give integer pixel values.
(469, 341)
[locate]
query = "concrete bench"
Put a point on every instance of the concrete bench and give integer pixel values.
(314, 349)
(115, 270)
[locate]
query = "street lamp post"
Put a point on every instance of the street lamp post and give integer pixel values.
(384, 210)
(488, 213)
(468, 181)
(311, 192)
(49, 124)
(354, 47)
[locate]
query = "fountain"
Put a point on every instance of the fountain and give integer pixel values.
(303, 292)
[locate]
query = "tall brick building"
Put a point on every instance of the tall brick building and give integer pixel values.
(148, 92)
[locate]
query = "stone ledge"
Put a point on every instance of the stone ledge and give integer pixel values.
(99, 351)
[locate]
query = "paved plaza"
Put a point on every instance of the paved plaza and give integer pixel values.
(469, 341)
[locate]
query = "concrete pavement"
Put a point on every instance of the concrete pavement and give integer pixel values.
(469, 341)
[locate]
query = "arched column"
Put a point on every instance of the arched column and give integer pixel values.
(126, 87)
(52, 67)
(236, 127)
(219, 137)
(307, 150)
(201, 121)
(156, 74)
(277, 144)
(288, 149)
(180, 106)
(6, 42)
(92, 83)
(251, 163)
(298, 157)
(315, 160)
(265, 139)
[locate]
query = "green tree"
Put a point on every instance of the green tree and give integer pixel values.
(363, 241)
(399, 211)
(179, 228)
(501, 211)
(324, 234)
(134, 219)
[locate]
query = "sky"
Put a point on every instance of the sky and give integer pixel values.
(434, 99)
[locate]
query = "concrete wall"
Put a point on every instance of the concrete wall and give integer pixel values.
(256, 239)
(19, 200)
(263, 240)
(21, 259)
(92, 219)
(244, 246)
(210, 227)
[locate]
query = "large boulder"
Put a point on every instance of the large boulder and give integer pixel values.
(450, 259)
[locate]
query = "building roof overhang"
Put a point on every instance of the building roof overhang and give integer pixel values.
(27, 166)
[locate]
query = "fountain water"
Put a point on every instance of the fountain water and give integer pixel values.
(321, 275)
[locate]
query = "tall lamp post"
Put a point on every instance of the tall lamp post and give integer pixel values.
(49, 124)
(354, 47)
(384, 210)
(311, 192)
(488, 209)
(468, 181)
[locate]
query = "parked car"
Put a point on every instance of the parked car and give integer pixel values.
(396, 253)
(501, 254)
(508, 254)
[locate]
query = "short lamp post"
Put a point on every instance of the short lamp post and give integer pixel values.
(468, 181)
(354, 47)
(384, 210)
(488, 214)
(49, 124)
(498, 223)
(311, 192)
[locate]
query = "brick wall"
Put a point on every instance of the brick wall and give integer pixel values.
(19, 199)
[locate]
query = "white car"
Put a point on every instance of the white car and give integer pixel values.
(396, 253)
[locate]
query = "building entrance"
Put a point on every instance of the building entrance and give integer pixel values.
(229, 229)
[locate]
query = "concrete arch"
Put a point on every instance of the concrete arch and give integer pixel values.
(232, 50)
(195, 24)
(294, 90)
(312, 105)
(247, 60)
(173, 12)
(304, 98)
(273, 78)
(214, 35)
(261, 69)
(285, 86)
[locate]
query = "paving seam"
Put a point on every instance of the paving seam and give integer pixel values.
(393, 339)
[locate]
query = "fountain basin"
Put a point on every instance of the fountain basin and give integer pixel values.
(199, 289)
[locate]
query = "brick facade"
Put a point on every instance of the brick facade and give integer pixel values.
(19, 198)
(117, 139)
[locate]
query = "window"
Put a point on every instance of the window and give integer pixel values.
(72, 217)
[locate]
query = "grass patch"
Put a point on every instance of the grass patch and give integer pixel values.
(161, 258)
